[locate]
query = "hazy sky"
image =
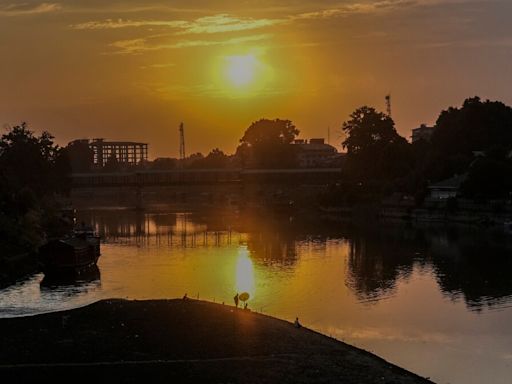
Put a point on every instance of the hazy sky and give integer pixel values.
(132, 70)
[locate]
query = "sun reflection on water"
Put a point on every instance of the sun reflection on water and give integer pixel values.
(245, 273)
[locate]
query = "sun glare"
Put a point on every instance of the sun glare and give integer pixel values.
(242, 74)
(241, 70)
(244, 273)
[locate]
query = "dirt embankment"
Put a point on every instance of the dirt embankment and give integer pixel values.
(179, 341)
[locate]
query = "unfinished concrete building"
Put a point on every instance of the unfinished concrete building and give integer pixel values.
(125, 152)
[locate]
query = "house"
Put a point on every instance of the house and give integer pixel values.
(446, 189)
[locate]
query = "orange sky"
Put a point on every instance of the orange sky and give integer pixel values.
(132, 70)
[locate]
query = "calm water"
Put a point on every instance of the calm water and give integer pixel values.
(436, 301)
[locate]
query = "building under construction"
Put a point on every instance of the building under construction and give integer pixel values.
(125, 152)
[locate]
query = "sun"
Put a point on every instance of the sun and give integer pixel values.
(241, 69)
(241, 73)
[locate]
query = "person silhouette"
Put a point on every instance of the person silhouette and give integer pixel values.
(296, 323)
(236, 299)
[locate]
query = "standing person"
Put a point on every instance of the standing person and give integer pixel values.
(236, 299)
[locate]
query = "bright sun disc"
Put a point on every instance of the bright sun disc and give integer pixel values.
(241, 69)
(242, 74)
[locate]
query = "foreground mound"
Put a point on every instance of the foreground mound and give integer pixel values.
(179, 341)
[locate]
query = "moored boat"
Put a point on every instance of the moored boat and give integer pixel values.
(71, 254)
(89, 276)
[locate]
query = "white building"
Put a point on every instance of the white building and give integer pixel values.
(315, 153)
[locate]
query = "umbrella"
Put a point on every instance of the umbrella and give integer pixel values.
(244, 296)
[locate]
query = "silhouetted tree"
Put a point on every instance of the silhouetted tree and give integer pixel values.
(215, 159)
(476, 126)
(192, 161)
(488, 178)
(81, 156)
(375, 151)
(31, 161)
(266, 144)
(164, 163)
(32, 170)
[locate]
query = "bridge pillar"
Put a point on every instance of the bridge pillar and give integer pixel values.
(139, 198)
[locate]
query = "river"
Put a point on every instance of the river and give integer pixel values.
(434, 300)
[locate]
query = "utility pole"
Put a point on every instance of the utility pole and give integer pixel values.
(182, 142)
(388, 105)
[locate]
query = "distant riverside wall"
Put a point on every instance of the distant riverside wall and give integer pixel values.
(435, 211)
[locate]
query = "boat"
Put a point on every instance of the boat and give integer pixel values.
(71, 255)
(84, 279)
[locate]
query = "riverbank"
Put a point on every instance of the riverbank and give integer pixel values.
(424, 214)
(186, 340)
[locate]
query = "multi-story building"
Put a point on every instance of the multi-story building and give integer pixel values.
(124, 152)
(423, 132)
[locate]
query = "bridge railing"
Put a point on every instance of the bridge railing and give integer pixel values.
(209, 176)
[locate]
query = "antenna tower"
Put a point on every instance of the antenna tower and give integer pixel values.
(388, 105)
(182, 142)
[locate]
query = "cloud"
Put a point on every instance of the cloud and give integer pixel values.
(132, 46)
(370, 8)
(226, 23)
(120, 23)
(223, 22)
(158, 66)
(28, 9)
(204, 25)
(494, 42)
(138, 46)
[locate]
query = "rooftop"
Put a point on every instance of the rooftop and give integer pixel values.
(451, 183)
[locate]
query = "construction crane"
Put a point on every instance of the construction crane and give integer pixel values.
(388, 104)
(182, 142)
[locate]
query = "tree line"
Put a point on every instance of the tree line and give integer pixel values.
(474, 140)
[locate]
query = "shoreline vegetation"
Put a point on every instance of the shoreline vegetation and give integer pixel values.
(181, 339)
(15, 266)
(33, 173)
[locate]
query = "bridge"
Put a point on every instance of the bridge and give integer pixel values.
(211, 186)
(147, 178)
